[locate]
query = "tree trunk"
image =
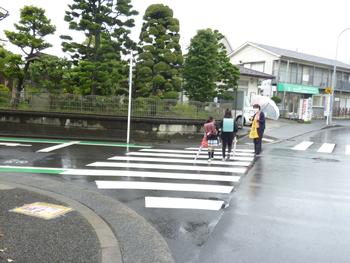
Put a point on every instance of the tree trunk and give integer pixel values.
(17, 93)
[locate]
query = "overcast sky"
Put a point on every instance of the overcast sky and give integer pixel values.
(309, 26)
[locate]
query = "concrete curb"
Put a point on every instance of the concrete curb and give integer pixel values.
(110, 251)
(138, 240)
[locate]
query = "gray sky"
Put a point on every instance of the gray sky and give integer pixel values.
(309, 26)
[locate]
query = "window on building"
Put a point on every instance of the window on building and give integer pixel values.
(306, 75)
(318, 101)
(260, 66)
(318, 77)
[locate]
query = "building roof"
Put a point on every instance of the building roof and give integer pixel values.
(253, 73)
(280, 52)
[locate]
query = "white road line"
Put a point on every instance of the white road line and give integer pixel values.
(302, 146)
(190, 161)
(190, 152)
(11, 144)
(267, 140)
(170, 167)
(347, 150)
(326, 148)
(219, 149)
(234, 158)
(207, 188)
(182, 203)
(59, 146)
(161, 175)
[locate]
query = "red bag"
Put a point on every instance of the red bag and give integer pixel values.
(204, 143)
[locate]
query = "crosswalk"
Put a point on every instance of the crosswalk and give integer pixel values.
(172, 179)
(326, 148)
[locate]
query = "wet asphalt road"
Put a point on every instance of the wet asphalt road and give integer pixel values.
(292, 206)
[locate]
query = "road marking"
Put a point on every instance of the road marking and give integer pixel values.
(170, 167)
(207, 188)
(11, 144)
(302, 146)
(267, 140)
(190, 152)
(347, 150)
(161, 175)
(234, 158)
(28, 169)
(55, 141)
(326, 148)
(59, 146)
(191, 161)
(182, 203)
(219, 149)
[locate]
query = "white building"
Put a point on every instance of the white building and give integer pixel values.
(297, 76)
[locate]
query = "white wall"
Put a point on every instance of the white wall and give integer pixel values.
(253, 54)
(251, 88)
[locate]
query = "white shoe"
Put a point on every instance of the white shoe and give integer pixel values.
(209, 160)
(223, 159)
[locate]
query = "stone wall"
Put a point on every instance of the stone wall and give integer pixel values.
(67, 125)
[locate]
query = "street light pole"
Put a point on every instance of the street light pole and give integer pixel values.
(129, 102)
(334, 79)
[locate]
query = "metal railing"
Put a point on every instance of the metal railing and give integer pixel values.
(115, 106)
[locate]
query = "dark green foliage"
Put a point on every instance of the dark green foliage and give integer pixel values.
(276, 99)
(10, 65)
(29, 36)
(106, 25)
(160, 57)
(208, 72)
(50, 74)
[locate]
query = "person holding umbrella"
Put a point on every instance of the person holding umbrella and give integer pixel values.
(258, 128)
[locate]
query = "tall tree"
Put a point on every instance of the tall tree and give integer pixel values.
(49, 73)
(208, 72)
(10, 65)
(106, 25)
(160, 57)
(29, 37)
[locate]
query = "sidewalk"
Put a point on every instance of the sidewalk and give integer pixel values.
(284, 129)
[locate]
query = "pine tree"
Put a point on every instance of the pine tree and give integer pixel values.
(160, 57)
(29, 37)
(106, 25)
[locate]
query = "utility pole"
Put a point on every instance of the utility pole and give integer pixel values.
(129, 102)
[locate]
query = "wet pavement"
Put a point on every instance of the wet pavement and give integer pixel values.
(292, 207)
(288, 206)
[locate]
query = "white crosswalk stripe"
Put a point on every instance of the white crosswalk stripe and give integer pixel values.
(326, 148)
(219, 149)
(206, 188)
(174, 172)
(169, 167)
(187, 161)
(302, 146)
(191, 152)
(347, 150)
(175, 155)
(158, 175)
(183, 203)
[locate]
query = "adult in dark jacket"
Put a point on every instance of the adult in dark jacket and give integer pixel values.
(228, 132)
(259, 117)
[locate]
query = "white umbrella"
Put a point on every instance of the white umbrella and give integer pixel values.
(268, 106)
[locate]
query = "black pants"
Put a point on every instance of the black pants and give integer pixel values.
(227, 138)
(258, 141)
